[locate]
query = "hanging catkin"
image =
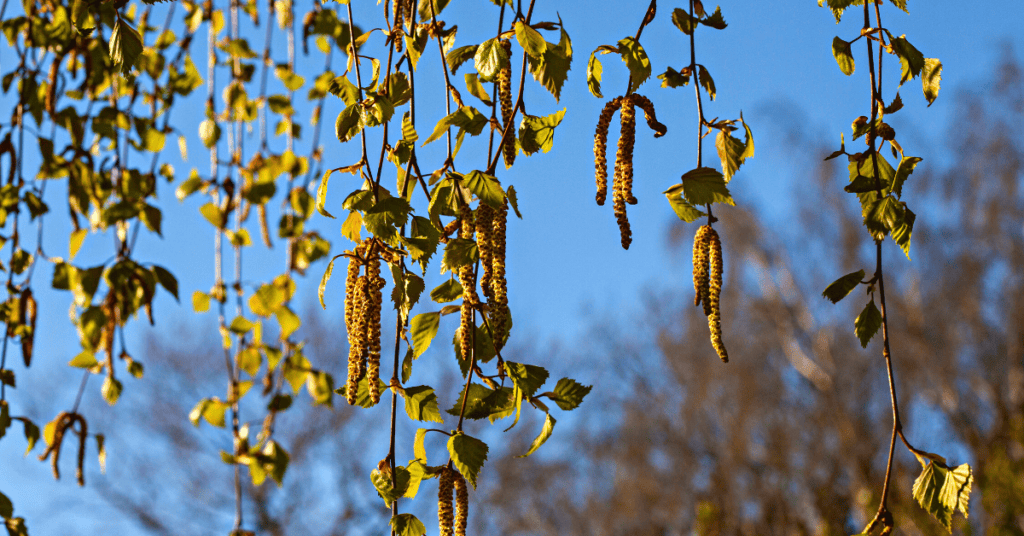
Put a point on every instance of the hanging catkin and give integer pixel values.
(398, 7)
(714, 294)
(461, 504)
(700, 267)
(485, 243)
(508, 149)
(500, 316)
(353, 314)
(445, 515)
(469, 298)
(374, 301)
(622, 187)
(601, 148)
(647, 106)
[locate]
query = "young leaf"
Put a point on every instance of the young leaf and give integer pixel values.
(552, 69)
(321, 195)
(942, 491)
(704, 185)
(867, 323)
(545, 433)
(684, 210)
(459, 252)
(707, 82)
(485, 187)
(421, 404)
(538, 133)
(448, 291)
(475, 88)
(125, 46)
(348, 123)
(111, 390)
(568, 394)
(468, 454)
(407, 525)
(594, 71)
(931, 78)
(531, 40)
(490, 58)
(906, 167)
(902, 231)
(911, 59)
(635, 58)
(841, 51)
(674, 78)
(843, 286)
(423, 328)
(460, 55)
(528, 378)
(715, 20)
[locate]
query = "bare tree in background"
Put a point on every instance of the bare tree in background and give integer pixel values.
(789, 437)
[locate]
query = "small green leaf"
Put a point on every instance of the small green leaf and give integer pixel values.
(418, 448)
(459, 252)
(85, 360)
(843, 286)
(673, 78)
(382, 481)
(6, 507)
(531, 40)
(240, 325)
(942, 491)
(931, 79)
(538, 133)
(903, 171)
(902, 231)
(448, 291)
(468, 454)
(702, 186)
(707, 82)
(841, 51)
(490, 58)
(485, 187)
(911, 59)
(423, 329)
(200, 302)
(321, 195)
(635, 58)
(352, 227)
(31, 435)
(407, 525)
(421, 404)
(568, 394)
(209, 132)
(288, 320)
(460, 55)
(867, 323)
(545, 433)
(594, 71)
(529, 378)
(348, 123)
(125, 46)
(476, 89)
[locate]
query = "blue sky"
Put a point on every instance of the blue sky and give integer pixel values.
(565, 263)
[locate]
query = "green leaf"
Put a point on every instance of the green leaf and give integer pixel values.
(715, 20)
(702, 186)
(707, 82)
(466, 118)
(485, 187)
(448, 291)
(460, 55)
(931, 79)
(363, 399)
(288, 320)
(418, 449)
(594, 71)
(903, 229)
(867, 323)
(85, 360)
(212, 215)
(200, 301)
(407, 525)
(911, 59)
(674, 78)
(552, 69)
(531, 40)
(490, 58)
(529, 378)
(320, 386)
(167, 280)
(382, 481)
(942, 491)
(468, 454)
(344, 89)
(240, 325)
(421, 404)
(352, 227)
(883, 216)
(384, 219)
(31, 435)
(635, 58)
(843, 286)
(538, 133)
(321, 195)
(6, 507)
(459, 252)
(209, 132)
(423, 329)
(475, 88)
(684, 21)
(510, 194)
(906, 167)
(348, 123)
(125, 46)
(483, 403)
(568, 394)
(545, 433)
(841, 51)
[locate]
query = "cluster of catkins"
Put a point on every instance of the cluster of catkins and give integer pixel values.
(488, 225)
(452, 521)
(363, 299)
(707, 283)
(403, 10)
(622, 187)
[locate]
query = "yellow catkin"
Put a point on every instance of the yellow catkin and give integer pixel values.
(700, 266)
(398, 8)
(374, 300)
(714, 294)
(647, 106)
(353, 307)
(469, 297)
(601, 148)
(500, 316)
(445, 514)
(622, 187)
(461, 505)
(449, 229)
(484, 242)
(505, 98)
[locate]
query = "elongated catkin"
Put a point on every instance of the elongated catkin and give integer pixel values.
(500, 315)
(469, 297)
(508, 149)
(485, 244)
(700, 267)
(461, 504)
(601, 148)
(622, 187)
(445, 515)
(714, 295)
(374, 301)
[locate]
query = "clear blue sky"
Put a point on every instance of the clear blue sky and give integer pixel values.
(773, 62)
